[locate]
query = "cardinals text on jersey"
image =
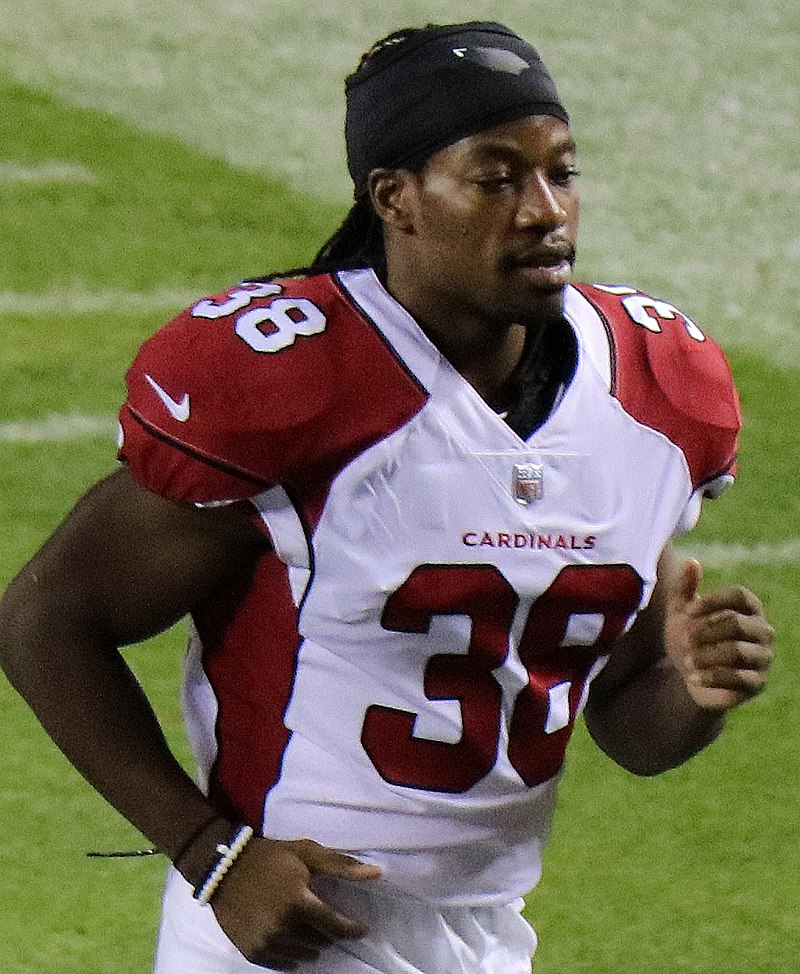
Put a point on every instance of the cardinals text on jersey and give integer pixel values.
(401, 676)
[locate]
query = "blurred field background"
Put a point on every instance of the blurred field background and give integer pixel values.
(152, 151)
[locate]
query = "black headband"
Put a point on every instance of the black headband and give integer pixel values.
(439, 85)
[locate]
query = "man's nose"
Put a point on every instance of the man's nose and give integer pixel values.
(539, 206)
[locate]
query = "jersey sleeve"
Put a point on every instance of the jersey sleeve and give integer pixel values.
(264, 384)
(672, 377)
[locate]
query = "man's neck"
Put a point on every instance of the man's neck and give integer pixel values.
(484, 352)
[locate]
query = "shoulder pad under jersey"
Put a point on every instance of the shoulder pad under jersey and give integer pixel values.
(263, 384)
(672, 377)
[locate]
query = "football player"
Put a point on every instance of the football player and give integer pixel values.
(418, 502)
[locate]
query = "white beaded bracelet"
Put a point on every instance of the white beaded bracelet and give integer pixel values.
(228, 854)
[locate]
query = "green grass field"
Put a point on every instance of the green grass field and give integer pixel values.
(156, 151)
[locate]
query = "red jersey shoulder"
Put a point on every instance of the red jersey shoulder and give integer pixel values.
(671, 376)
(266, 383)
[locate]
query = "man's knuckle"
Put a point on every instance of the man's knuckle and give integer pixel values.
(306, 845)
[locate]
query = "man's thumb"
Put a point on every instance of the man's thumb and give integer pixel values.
(687, 585)
(329, 862)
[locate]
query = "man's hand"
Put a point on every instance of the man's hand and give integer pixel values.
(720, 643)
(266, 907)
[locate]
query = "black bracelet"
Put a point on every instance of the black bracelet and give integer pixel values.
(227, 854)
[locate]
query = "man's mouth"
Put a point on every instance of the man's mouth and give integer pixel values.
(545, 256)
(545, 267)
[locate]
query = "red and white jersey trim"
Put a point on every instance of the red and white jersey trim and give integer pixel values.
(400, 677)
(671, 377)
(288, 537)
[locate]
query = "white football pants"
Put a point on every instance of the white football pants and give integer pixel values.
(406, 936)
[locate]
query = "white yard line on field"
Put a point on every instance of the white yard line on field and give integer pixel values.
(55, 428)
(74, 301)
(718, 555)
(260, 84)
(52, 171)
(59, 428)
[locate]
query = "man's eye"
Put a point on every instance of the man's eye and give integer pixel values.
(496, 181)
(563, 177)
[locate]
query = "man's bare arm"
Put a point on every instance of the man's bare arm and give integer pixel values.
(687, 661)
(125, 565)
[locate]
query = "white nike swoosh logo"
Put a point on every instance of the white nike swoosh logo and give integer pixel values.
(179, 409)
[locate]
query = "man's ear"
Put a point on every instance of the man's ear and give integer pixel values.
(392, 194)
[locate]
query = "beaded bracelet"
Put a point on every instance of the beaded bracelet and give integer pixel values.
(226, 857)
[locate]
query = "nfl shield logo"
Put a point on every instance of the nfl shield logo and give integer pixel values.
(527, 483)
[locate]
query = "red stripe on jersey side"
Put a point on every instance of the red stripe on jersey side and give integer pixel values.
(250, 646)
(672, 383)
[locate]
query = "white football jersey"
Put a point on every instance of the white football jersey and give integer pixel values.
(402, 675)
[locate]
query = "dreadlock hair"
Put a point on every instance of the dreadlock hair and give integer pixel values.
(358, 240)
